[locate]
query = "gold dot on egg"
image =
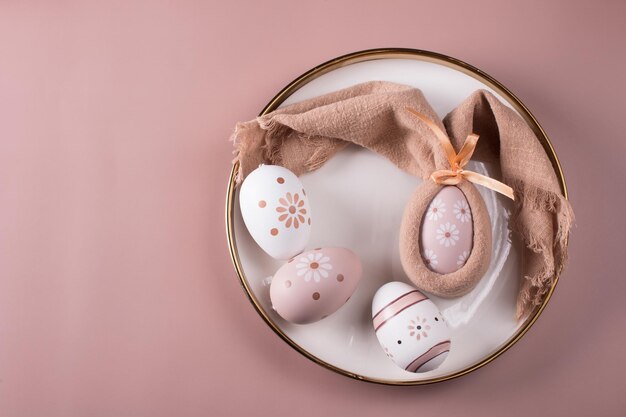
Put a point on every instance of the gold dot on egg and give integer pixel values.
(280, 180)
(274, 231)
(340, 277)
(316, 296)
(262, 203)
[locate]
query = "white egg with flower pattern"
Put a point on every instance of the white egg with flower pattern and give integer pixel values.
(276, 211)
(315, 284)
(410, 328)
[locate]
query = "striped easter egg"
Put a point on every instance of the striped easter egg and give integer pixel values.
(410, 328)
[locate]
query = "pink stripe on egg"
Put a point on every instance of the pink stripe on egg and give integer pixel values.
(396, 306)
(431, 354)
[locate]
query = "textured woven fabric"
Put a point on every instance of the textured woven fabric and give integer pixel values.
(303, 136)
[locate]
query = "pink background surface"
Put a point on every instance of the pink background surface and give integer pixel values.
(117, 295)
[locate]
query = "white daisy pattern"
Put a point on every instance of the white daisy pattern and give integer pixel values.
(462, 258)
(462, 211)
(430, 258)
(313, 266)
(449, 237)
(436, 209)
(447, 234)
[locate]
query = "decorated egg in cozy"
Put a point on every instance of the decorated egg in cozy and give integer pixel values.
(276, 211)
(447, 231)
(315, 284)
(445, 238)
(410, 327)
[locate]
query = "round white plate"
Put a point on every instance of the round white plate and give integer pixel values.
(357, 199)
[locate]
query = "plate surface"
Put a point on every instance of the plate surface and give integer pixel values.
(357, 199)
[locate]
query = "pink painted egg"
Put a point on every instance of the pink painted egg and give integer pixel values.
(315, 284)
(447, 233)
(276, 211)
(410, 328)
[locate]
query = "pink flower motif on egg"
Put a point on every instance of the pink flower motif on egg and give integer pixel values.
(430, 257)
(314, 265)
(388, 353)
(436, 210)
(418, 328)
(291, 210)
(462, 211)
(447, 234)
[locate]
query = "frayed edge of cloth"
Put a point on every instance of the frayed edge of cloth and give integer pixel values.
(535, 287)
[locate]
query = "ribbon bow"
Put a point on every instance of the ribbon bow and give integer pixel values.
(457, 161)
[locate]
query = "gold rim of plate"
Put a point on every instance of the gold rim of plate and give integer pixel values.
(393, 53)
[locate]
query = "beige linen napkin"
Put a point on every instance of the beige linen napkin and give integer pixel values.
(303, 136)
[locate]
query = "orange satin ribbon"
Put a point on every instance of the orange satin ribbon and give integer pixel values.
(456, 173)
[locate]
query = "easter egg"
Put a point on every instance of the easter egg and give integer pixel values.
(409, 327)
(315, 284)
(276, 211)
(447, 231)
(445, 238)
